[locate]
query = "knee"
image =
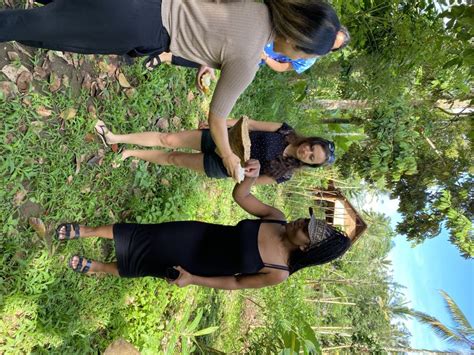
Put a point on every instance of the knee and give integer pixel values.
(167, 140)
(174, 158)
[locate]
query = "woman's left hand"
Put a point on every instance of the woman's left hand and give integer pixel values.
(252, 168)
(184, 279)
(201, 72)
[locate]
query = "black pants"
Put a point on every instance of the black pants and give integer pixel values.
(132, 27)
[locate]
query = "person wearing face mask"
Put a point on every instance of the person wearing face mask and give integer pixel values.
(225, 35)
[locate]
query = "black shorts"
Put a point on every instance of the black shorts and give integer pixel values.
(213, 165)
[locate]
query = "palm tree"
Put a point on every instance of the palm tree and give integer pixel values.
(461, 334)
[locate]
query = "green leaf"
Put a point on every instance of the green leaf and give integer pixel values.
(205, 331)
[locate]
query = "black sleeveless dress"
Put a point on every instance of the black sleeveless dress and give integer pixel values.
(203, 249)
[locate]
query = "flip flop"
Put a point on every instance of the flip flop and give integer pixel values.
(152, 63)
(80, 268)
(69, 227)
(100, 131)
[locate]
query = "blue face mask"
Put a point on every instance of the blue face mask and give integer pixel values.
(331, 154)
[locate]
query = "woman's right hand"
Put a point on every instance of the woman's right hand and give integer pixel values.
(252, 168)
(232, 164)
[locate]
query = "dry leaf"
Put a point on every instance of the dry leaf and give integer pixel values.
(121, 347)
(37, 126)
(101, 84)
(19, 197)
(23, 81)
(69, 179)
(12, 56)
(22, 50)
(38, 225)
(54, 82)
(85, 190)
(39, 73)
(66, 57)
(12, 71)
(87, 82)
(26, 101)
(134, 164)
(89, 137)
(65, 80)
(79, 160)
(92, 111)
(130, 92)
(190, 96)
(8, 90)
(163, 124)
(123, 81)
(69, 114)
(114, 147)
(43, 111)
(176, 121)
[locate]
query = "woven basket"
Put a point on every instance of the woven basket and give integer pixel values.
(239, 139)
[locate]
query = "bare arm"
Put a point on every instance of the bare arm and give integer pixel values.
(277, 66)
(218, 128)
(270, 278)
(244, 198)
(253, 125)
(265, 180)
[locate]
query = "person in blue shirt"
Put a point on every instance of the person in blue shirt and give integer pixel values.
(281, 63)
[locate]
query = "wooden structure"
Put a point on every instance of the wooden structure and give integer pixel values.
(340, 212)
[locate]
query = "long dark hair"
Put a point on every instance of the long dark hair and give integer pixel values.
(285, 166)
(334, 245)
(311, 24)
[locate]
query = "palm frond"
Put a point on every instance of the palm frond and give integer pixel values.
(439, 328)
(456, 314)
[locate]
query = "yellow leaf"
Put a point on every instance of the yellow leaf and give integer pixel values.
(69, 114)
(43, 111)
(123, 81)
(38, 225)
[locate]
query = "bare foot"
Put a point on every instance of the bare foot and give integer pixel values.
(105, 134)
(125, 154)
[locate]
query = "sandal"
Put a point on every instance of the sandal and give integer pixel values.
(67, 235)
(152, 63)
(80, 268)
(100, 129)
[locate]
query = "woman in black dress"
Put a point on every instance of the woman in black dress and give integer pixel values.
(251, 254)
(220, 34)
(277, 146)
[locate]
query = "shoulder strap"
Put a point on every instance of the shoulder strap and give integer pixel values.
(276, 266)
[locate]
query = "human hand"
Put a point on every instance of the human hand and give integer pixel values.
(184, 279)
(201, 85)
(252, 168)
(232, 165)
(263, 56)
(203, 125)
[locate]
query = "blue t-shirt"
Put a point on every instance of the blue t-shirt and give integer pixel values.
(300, 65)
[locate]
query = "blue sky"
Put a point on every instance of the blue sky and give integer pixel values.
(424, 270)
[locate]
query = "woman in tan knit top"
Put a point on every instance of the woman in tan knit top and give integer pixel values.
(227, 35)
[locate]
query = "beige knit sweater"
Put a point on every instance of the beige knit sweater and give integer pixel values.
(225, 35)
